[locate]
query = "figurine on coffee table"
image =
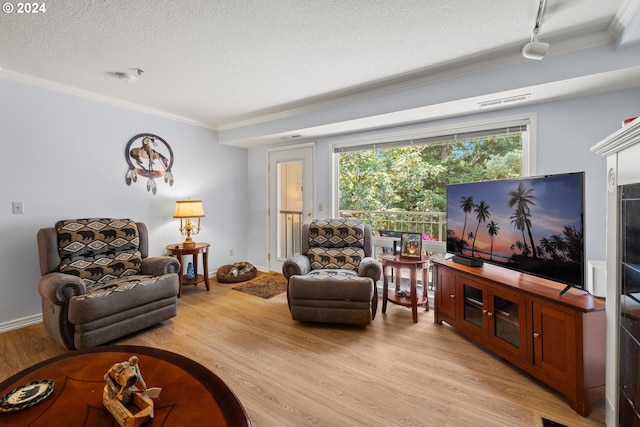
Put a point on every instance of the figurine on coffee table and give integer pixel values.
(130, 406)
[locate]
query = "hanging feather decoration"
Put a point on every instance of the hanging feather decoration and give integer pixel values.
(168, 177)
(131, 176)
(151, 186)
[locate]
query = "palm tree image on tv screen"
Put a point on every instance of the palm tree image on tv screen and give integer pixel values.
(533, 224)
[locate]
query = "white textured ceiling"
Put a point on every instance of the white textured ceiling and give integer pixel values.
(222, 62)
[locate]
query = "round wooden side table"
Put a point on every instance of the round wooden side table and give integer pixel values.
(412, 264)
(179, 251)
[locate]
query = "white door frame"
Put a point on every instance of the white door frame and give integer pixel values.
(306, 154)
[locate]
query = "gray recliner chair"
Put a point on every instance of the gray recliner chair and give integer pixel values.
(334, 278)
(98, 282)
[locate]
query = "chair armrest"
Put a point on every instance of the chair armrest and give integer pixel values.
(59, 287)
(370, 267)
(297, 265)
(159, 265)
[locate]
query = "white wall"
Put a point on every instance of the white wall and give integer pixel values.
(63, 157)
(257, 223)
(566, 130)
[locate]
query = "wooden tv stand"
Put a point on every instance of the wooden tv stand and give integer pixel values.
(560, 340)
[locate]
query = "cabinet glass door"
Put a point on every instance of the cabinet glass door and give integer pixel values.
(506, 320)
(473, 305)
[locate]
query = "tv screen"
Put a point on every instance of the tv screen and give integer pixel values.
(532, 224)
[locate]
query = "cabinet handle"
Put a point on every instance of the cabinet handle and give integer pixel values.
(452, 296)
(536, 335)
(484, 311)
(489, 314)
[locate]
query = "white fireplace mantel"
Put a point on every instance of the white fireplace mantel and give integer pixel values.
(624, 137)
(622, 150)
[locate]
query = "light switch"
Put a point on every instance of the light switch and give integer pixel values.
(17, 208)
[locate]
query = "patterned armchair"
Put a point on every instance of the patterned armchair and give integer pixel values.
(98, 282)
(334, 278)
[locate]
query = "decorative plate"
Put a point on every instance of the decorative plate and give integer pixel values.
(26, 395)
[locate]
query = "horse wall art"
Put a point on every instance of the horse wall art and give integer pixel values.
(148, 159)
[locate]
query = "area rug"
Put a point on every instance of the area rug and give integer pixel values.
(265, 286)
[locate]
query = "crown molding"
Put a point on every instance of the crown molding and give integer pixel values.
(104, 99)
(625, 13)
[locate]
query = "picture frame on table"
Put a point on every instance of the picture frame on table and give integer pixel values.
(411, 245)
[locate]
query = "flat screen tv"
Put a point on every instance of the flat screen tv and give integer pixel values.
(531, 224)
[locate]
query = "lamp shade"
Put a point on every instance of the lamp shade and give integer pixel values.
(189, 209)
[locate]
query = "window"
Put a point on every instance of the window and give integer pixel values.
(400, 185)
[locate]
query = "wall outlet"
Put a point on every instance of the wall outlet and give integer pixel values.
(17, 208)
(230, 252)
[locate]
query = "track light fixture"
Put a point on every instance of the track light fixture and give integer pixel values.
(536, 49)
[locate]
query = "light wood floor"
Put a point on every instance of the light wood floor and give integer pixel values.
(391, 373)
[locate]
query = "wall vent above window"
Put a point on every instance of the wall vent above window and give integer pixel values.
(502, 101)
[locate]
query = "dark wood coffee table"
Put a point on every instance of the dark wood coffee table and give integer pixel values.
(191, 394)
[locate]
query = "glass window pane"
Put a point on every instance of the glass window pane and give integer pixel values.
(403, 188)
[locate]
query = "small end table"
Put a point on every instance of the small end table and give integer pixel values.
(412, 264)
(179, 251)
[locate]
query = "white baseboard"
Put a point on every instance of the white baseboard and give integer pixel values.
(20, 323)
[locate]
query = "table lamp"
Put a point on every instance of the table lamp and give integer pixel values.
(187, 209)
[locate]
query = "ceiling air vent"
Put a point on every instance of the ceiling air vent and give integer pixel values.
(503, 101)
